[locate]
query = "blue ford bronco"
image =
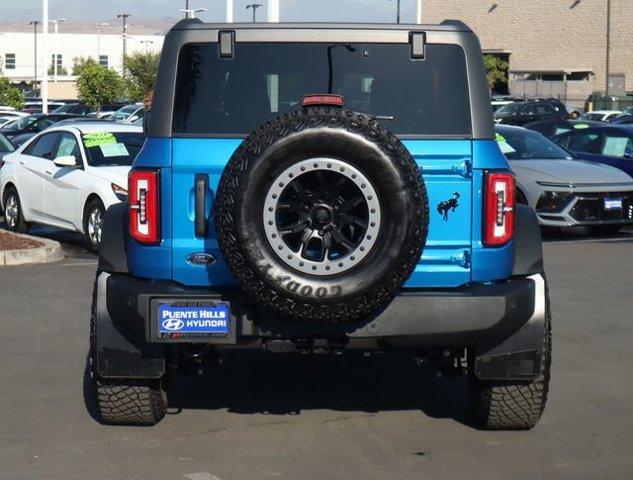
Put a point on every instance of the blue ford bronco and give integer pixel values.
(315, 188)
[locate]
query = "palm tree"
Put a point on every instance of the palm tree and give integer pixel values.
(140, 71)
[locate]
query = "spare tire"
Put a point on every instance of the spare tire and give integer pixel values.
(321, 215)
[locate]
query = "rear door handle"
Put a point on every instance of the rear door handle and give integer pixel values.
(201, 184)
(50, 172)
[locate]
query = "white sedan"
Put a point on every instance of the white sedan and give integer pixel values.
(601, 115)
(565, 191)
(67, 176)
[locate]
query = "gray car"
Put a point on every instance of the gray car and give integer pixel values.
(565, 191)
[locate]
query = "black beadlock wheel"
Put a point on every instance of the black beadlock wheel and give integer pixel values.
(321, 215)
(123, 401)
(510, 405)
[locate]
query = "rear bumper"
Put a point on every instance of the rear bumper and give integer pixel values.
(502, 323)
(469, 316)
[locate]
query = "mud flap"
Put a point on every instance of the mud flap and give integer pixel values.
(519, 356)
(119, 355)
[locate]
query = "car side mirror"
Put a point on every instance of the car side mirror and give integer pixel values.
(66, 161)
(146, 117)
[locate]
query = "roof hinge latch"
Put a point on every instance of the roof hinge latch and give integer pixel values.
(227, 43)
(418, 42)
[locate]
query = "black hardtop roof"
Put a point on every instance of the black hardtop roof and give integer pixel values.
(444, 26)
(448, 32)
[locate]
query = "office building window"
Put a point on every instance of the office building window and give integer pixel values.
(9, 61)
(103, 60)
(59, 59)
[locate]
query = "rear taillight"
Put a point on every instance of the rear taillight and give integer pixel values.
(144, 206)
(498, 208)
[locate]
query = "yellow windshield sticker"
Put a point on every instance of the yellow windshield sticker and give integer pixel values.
(95, 139)
(504, 146)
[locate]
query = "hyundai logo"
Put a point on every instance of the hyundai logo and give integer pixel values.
(173, 324)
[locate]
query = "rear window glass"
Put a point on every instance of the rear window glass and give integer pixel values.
(112, 148)
(235, 96)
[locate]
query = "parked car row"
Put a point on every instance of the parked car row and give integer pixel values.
(70, 166)
(20, 126)
(67, 176)
(512, 111)
(564, 188)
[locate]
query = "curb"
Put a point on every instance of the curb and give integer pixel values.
(50, 251)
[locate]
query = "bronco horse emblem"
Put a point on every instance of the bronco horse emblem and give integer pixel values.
(450, 204)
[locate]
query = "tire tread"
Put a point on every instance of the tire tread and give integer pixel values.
(514, 405)
(266, 293)
(123, 401)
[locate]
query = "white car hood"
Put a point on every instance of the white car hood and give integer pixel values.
(113, 174)
(569, 171)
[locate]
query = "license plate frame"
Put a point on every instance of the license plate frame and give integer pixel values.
(176, 320)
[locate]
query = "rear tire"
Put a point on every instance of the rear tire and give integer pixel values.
(123, 401)
(13, 216)
(510, 405)
(94, 213)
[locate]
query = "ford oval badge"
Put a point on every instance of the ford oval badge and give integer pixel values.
(200, 259)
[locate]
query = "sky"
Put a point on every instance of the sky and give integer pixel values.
(291, 10)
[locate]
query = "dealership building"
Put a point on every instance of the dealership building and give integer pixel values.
(17, 55)
(554, 47)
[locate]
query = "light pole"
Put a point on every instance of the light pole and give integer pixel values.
(35, 23)
(146, 43)
(273, 12)
(191, 12)
(608, 50)
(254, 6)
(99, 25)
(45, 46)
(397, 11)
(418, 11)
(124, 16)
(229, 11)
(56, 23)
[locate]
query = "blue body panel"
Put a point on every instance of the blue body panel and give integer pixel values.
(154, 262)
(623, 164)
(453, 255)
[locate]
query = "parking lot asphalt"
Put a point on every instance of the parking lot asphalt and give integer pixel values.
(262, 417)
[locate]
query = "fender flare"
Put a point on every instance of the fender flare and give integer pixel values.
(112, 254)
(528, 250)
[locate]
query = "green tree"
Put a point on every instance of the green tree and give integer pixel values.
(61, 71)
(99, 85)
(496, 70)
(9, 95)
(140, 72)
(79, 63)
